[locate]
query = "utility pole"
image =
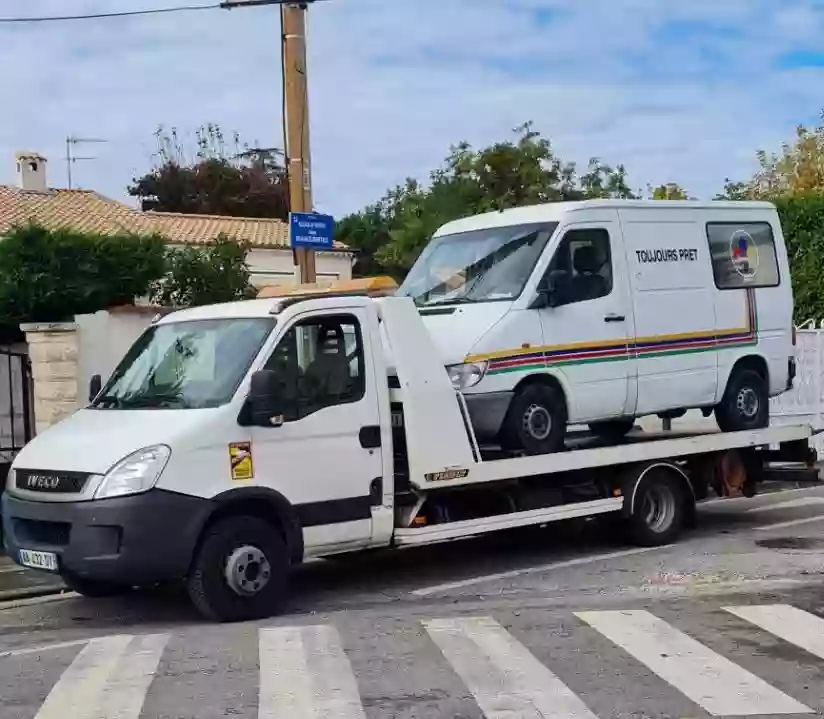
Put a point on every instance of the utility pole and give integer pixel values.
(296, 114)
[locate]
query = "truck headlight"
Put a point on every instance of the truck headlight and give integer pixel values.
(10, 479)
(466, 375)
(134, 474)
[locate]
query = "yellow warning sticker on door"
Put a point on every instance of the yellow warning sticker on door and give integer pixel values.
(240, 460)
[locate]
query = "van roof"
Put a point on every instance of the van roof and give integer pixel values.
(554, 211)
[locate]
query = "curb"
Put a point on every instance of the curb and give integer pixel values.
(31, 592)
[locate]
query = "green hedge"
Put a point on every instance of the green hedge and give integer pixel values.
(802, 219)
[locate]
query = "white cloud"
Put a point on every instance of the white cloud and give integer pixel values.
(682, 92)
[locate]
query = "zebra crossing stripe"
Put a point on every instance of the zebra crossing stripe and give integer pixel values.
(108, 679)
(793, 625)
(713, 682)
(304, 674)
(506, 680)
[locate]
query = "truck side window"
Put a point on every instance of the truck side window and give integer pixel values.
(585, 255)
(321, 363)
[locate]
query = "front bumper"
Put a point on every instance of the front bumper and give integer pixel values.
(487, 413)
(136, 540)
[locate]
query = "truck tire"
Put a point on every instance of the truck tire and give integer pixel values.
(613, 429)
(535, 421)
(745, 404)
(94, 589)
(661, 509)
(240, 571)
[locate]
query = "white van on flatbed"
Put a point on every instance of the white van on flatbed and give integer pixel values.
(236, 440)
(602, 311)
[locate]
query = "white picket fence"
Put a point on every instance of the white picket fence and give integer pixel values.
(805, 402)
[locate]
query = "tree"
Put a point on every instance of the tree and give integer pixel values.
(204, 275)
(391, 233)
(239, 181)
(668, 191)
(49, 276)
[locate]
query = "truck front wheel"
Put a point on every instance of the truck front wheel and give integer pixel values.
(240, 571)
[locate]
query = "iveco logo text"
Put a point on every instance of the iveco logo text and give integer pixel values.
(38, 481)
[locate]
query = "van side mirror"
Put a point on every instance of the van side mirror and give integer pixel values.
(553, 290)
(266, 403)
(95, 385)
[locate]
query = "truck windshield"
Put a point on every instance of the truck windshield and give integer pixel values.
(477, 266)
(185, 365)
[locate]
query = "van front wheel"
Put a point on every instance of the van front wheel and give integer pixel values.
(745, 404)
(535, 421)
(240, 571)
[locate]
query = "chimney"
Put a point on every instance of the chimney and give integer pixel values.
(31, 171)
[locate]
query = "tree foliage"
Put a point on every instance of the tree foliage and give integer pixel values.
(668, 191)
(200, 276)
(220, 178)
(524, 171)
(51, 276)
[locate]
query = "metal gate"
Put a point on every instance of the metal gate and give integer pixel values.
(16, 421)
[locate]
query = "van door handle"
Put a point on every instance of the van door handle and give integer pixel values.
(614, 318)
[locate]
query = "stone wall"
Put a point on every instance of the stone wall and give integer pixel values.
(53, 350)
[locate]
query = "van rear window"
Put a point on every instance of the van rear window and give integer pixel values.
(743, 255)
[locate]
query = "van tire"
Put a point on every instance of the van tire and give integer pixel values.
(209, 587)
(745, 404)
(613, 429)
(535, 421)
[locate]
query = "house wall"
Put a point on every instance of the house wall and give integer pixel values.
(275, 267)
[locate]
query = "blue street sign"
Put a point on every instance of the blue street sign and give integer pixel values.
(311, 230)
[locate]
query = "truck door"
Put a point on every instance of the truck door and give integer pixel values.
(587, 336)
(325, 457)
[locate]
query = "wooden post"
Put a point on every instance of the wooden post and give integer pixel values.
(293, 18)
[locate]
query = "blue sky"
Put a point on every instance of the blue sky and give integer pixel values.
(677, 91)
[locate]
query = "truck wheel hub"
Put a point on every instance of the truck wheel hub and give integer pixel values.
(247, 571)
(747, 402)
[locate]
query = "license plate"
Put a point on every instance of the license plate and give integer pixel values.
(38, 560)
(397, 419)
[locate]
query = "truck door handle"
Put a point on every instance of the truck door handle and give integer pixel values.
(614, 318)
(370, 437)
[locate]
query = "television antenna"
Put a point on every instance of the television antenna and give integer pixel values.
(71, 142)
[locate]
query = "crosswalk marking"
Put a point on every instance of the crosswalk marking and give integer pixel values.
(713, 682)
(304, 674)
(108, 679)
(507, 681)
(793, 625)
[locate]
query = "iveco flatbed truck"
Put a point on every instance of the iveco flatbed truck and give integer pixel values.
(235, 441)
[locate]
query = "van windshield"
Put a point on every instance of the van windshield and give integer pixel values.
(478, 266)
(185, 365)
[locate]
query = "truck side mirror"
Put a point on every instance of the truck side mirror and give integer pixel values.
(95, 385)
(266, 403)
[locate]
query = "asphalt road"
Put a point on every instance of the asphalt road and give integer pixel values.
(560, 622)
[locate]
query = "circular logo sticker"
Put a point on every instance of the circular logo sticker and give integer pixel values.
(744, 254)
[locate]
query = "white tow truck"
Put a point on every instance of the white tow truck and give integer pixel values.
(235, 441)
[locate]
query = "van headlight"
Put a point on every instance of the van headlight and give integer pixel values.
(11, 478)
(466, 375)
(134, 474)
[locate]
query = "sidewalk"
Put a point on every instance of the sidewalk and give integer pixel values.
(17, 582)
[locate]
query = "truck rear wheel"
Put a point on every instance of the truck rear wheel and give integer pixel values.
(535, 421)
(661, 509)
(240, 571)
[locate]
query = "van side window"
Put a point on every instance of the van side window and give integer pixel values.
(585, 255)
(743, 255)
(321, 364)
